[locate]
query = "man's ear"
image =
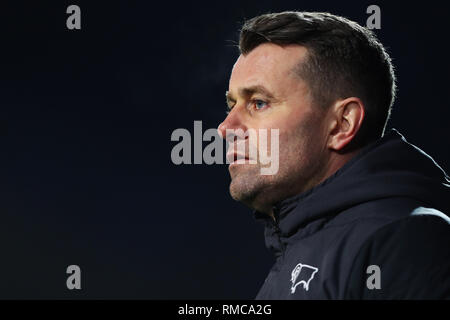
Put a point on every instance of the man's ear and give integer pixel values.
(346, 119)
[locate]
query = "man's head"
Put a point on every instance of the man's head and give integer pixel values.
(323, 81)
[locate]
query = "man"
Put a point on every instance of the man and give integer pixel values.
(352, 212)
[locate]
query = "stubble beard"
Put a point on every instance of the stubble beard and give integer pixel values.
(246, 183)
(255, 190)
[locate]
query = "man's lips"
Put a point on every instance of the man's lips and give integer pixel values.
(234, 157)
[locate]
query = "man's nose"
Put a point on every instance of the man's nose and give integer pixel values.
(232, 127)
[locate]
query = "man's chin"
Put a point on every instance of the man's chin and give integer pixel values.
(249, 197)
(244, 184)
(241, 196)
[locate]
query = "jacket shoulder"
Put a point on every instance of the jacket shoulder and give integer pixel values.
(411, 258)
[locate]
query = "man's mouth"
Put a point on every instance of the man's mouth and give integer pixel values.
(237, 158)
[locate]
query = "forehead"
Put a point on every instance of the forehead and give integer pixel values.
(268, 63)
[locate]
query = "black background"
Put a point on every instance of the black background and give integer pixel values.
(86, 119)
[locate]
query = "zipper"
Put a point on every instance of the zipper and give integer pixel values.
(275, 224)
(269, 287)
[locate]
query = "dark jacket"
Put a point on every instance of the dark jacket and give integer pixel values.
(376, 229)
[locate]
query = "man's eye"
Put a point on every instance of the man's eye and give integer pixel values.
(259, 104)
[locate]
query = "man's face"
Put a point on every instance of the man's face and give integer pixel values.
(266, 93)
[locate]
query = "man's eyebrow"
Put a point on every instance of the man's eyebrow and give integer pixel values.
(248, 92)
